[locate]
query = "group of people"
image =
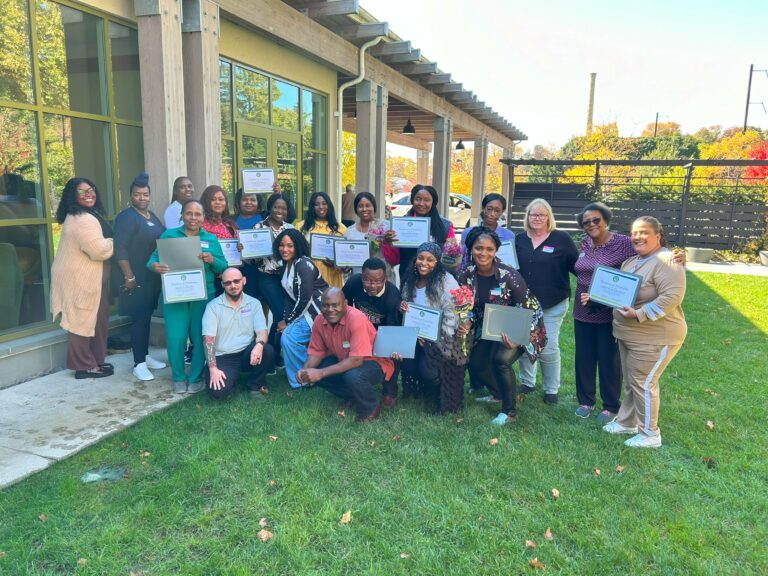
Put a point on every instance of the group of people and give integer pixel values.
(325, 318)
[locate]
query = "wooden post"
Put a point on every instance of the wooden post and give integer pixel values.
(441, 163)
(597, 179)
(684, 204)
(202, 101)
(365, 141)
(478, 175)
(162, 96)
(422, 167)
(380, 161)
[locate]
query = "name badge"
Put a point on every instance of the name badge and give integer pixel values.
(582, 254)
(548, 249)
(203, 244)
(150, 223)
(345, 344)
(496, 292)
(245, 310)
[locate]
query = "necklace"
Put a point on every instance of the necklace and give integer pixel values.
(146, 216)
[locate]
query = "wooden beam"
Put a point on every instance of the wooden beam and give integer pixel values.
(362, 31)
(463, 97)
(450, 87)
(413, 56)
(388, 48)
(283, 24)
(336, 8)
(418, 69)
(435, 79)
(412, 141)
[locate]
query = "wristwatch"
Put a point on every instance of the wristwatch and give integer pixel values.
(260, 342)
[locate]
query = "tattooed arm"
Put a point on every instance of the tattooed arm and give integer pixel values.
(217, 376)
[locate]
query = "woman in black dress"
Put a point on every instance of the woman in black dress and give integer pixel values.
(136, 232)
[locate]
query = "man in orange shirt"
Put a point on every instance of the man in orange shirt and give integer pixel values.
(340, 356)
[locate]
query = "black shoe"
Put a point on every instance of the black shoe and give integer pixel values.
(97, 373)
(107, 366)
(550, 398)
(523, 389)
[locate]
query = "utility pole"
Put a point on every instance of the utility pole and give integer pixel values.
(656, 126)
(749, 90)
(591, 107)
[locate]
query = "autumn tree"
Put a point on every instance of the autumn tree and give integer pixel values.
(661, 129)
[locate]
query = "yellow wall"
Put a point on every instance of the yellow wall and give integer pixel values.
(248, 47)
(120, 8)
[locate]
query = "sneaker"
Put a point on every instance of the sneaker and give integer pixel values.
(188, 356)
(141, 372)
(488, 400)
(524, 389)
(584, 411)
(614, 427)
(195, 387)
(154, 363)
(643, 441)
(550, 398)
(503, 419)
(606, 416)
(389, 401)
(180, 387)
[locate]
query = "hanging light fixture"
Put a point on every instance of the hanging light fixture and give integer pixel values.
(460, 145)
(408, 128)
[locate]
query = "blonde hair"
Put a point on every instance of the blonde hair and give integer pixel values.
(551, 224)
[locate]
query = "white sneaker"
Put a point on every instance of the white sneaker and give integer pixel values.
(141, 372)
(154, 363)
(616, 428)
(488, 400)
(643, 441)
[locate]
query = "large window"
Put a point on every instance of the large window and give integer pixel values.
(269, 122)
(71, 107)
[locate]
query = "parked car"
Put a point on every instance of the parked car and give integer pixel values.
(459, 209)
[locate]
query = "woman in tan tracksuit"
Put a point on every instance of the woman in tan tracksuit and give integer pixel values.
(649, 334)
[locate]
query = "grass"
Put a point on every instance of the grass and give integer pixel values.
(428, 495)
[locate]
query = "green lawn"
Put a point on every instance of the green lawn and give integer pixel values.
(428, 495)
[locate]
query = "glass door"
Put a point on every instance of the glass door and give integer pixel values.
(287, 153)
(254, 150)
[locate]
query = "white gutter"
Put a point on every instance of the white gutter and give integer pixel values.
(340, 108)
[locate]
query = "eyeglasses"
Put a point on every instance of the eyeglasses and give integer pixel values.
(538, 216)
(236, 281)
(86, 191)
(592, 222)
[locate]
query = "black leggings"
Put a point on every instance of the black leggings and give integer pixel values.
(490, 365)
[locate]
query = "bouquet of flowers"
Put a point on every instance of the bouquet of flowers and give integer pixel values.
(451, 254)
(463, 300)
(375, 236)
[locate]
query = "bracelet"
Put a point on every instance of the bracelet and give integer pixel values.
(131, 279)
(259, 342)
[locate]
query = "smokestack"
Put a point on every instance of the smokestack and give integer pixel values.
(591, 108)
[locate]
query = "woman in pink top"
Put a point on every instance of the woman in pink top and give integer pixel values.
(218, 220)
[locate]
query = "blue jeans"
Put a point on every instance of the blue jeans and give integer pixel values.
(550, 355)
(295, 340)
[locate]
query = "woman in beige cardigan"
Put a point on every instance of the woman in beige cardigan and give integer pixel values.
(80, 278)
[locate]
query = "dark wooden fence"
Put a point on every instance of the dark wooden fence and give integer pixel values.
(696, 212)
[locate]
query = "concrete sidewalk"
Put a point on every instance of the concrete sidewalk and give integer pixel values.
(52, 417)
(739, 268)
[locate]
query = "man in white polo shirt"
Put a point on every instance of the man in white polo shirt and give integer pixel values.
(235, 339)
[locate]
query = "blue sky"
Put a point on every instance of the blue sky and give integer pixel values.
(530, 60)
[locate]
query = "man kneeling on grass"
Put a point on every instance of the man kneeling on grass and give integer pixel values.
(340, 356)
(235, 339)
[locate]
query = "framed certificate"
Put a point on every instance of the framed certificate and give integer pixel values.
(427, 320)
(513, 321)
(257, 180)
(613, 287)
(507, 254)
(256, 243)
(411, 232)
(184, 286)
(399, 339)
(231, 253)
(321, 246)
(351, 253)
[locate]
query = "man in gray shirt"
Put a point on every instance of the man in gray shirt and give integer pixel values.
(235, 339)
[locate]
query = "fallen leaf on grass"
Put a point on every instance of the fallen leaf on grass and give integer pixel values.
(263, 523)
(530, 544)
(596, 471)
(396, 438)
(2, 555)
(145, 454)
(710, 425)
(264, 535)
(555, 493)
(341, 413)
(134, 574)
(404, 555)
(711, 392)
(619, 469)
(727, 342)
(289, 394)
(272, 437)
(536, 564)
(124, 445)
(346, 518)
(372, 443)
(548, 534)
(271, 482)
(82, 561)
(493, 441)
(459, 420)
(520, 398)
(43, 517)
(263, 390)
(710, 462)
